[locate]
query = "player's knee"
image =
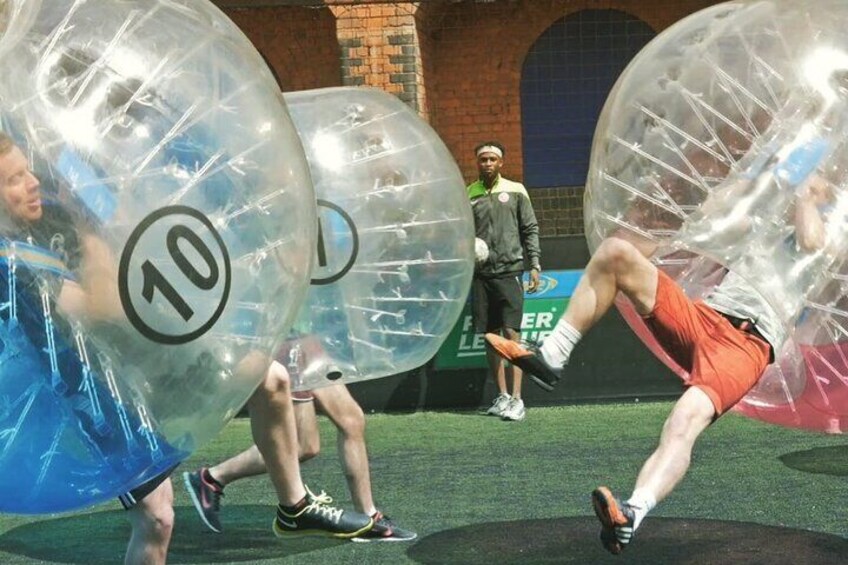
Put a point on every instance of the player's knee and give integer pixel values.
(684, 424)
(615, 255)
(308, 448)
(157, 522)
(352, 423)
(276, 382)
(164, 523)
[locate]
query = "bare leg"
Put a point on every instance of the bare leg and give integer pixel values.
(337, 403)
(250, 463)
(152, 521)
(514, 335)
(308, 435)
(616, 266)
(664, 469)
(273, 425)
(496, 369)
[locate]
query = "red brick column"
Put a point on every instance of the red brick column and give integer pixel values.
(379, 47)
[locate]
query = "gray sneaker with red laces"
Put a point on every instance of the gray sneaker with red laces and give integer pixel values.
(385, 530)
(206, 498)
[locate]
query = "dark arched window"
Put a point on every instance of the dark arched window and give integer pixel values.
(564, 82)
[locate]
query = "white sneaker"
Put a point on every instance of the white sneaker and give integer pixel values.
(499, 405)
(514, 410)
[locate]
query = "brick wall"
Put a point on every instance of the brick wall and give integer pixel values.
(474, 87)
(379, 48)
(298, 42)
(458, 63)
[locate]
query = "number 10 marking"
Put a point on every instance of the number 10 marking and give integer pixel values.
(153, 277)
(154, 282)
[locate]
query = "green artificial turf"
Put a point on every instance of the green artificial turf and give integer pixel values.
(480, 484)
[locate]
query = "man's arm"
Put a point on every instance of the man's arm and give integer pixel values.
(529, 228)
(96, 295)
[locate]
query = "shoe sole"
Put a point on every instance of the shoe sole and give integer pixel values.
(524, 360)
(390, 539)
(196, 502)
(539, 382)
(609, 541)
(610, 516)
(280, 533)
(606, 508)
(535, 368)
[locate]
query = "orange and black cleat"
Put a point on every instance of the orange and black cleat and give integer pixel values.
(528, 358)
(616, 520)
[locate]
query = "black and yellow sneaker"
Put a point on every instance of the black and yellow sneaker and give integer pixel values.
(385, 530)
(316, 517)
(616, 520)
(528, 358)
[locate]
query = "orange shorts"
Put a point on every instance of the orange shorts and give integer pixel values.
(722, 361)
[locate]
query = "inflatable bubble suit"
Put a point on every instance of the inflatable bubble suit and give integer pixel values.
(721, 149)
(169, 241)
(395, 251)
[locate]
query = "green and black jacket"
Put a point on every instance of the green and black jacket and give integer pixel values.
(504, 219)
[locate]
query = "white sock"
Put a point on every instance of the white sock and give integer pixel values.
(557, 347)
(641, 501)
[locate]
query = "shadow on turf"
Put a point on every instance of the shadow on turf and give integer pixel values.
(102, 537)
(659, 541)
(821, 460)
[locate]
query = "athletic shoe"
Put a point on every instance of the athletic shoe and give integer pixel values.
(616, 520)
(318, 518)
(499, 405)
(206, 498)
(528, 358)
(609, 541)
(385, 530)
(514, 410)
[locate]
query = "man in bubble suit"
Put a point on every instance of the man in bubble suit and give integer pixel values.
(505, 221)
(48, 225)
(206, 485)
(725, 342)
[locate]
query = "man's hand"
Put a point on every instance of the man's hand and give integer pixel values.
(810, 232)
(533, 285)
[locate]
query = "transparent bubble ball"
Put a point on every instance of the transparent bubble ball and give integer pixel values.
(395, 252)
(177, 212)
(707, 145)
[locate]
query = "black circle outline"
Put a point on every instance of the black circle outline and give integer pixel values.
(123, 275)
(349, 221)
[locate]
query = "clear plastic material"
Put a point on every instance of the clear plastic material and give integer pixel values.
(395, 252)
(140, 311)
(722, 148)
